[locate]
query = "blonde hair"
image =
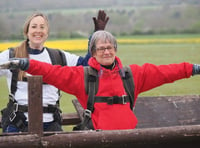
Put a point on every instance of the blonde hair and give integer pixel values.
(21, 50)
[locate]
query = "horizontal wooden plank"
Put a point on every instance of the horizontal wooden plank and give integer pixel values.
(70, 119)
(165, 111)
(173, 137)
(162, 111)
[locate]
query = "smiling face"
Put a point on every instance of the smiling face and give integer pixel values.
(103, 47)
(37, 32)
(105, 52)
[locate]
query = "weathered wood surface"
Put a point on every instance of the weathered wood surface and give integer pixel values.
(173, 137)
(35, 110)
(79, 108)
(20, 141)
(168, 111)
(163, 122)
(165, 137)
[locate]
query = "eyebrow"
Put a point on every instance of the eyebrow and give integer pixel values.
(37, 24)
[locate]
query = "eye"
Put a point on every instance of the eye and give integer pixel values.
(102, 48)
(109, 47)
(33, 26)
(42, 27)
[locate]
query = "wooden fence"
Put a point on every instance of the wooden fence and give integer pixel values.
(170, 121)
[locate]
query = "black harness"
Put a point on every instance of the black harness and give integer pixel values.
(91, 88)
(13, 113)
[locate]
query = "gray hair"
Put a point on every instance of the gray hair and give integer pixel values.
(103, 36)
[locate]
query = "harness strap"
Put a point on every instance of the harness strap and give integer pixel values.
(24, 108)
(128, 83)
(91, 78)
(18, 120)
(15, 72)
(91, 85)
(57, 57)
(112, 100)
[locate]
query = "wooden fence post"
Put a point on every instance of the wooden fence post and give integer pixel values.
(35, 108)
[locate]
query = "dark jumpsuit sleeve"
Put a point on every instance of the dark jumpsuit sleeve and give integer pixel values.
(84, 60)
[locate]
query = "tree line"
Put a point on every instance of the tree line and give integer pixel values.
(77, 22)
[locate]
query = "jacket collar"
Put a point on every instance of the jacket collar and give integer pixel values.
(94, 64)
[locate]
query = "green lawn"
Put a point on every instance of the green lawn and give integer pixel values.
(165, 54)
(140, 54)
(161, 36)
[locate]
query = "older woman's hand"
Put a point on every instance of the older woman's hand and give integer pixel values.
(101, 20)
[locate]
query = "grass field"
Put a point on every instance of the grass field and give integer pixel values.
(140, 54)
(81, 43)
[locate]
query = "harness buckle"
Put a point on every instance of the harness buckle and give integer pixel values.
(15, 107)
(13, 113)
(124, 99)
(110, 101)
(12, 116)
(87, 113)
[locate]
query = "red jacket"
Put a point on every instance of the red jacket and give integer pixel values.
(116, 116)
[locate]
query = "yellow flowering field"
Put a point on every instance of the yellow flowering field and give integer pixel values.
(82, 44)
(77, 44)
